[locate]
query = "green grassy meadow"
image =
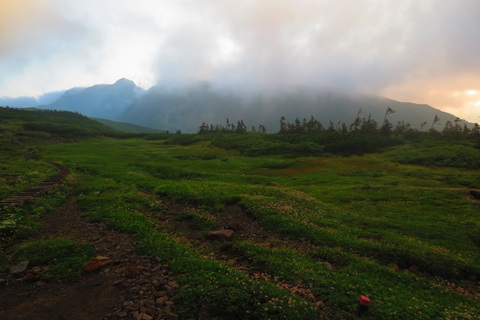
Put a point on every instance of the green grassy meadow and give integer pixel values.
(406, 235)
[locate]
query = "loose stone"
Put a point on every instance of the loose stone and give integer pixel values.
(19, 268)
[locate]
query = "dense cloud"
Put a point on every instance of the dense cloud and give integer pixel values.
(420, 51)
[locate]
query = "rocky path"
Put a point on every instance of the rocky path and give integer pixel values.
(122, 283)
(127, 286)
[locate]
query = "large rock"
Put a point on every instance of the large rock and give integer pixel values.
(96, 263)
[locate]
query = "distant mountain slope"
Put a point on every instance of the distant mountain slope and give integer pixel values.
(126, 127)
(186, 109)
(182, 109)
(100, 101)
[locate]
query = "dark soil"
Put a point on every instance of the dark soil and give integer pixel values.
(131, 286)
(134, 286)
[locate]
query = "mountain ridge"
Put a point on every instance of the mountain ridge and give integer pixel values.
(186, 108)
(99, 101)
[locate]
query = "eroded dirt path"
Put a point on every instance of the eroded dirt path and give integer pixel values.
(237, 218)
(132, 286)
(31, 193)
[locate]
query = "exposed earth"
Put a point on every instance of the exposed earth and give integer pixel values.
(122, 283)
(130, 287)
(119, 283)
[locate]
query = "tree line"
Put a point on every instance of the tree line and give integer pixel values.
(229, 127)
(361, 125)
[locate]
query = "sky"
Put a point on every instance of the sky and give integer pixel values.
(422, 51)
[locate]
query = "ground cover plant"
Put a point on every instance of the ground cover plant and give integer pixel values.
(62, 258)
(387, 229)
(405, 233)
(20, 169)
(20, 222)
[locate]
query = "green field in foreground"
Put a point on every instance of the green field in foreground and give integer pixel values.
(405, 235)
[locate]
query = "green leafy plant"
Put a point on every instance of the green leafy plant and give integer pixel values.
(63, 257)
(198, 221)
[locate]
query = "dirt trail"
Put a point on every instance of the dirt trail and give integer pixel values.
(246, 228)
(238, 218)
(132, 286)
(31, 193)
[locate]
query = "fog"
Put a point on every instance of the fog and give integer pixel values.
(418, 51)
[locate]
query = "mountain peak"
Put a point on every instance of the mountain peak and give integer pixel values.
(106, 101)
(124, 82)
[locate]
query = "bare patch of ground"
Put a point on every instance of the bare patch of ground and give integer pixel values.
(132, 286)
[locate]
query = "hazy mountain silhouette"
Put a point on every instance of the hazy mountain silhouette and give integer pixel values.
(185, 109)
(29, 102)
(107, 101)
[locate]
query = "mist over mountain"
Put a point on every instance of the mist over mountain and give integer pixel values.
(107, 101)
(186, 109)
(29, 102)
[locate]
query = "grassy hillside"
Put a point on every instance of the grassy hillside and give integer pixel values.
(313, 233)
(61, 123)
(24, 131)
(127, 127)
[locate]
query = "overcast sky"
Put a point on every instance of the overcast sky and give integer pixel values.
(423, 51)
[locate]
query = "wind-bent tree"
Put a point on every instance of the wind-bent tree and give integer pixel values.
(435, 121)
(386, 127)
(358, 120)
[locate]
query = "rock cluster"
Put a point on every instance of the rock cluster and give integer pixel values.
(149, 288)
(21, 273)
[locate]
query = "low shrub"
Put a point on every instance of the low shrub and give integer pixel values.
(457, 156)
(199, 221)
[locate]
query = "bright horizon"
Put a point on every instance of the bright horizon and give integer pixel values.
(421, 52)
